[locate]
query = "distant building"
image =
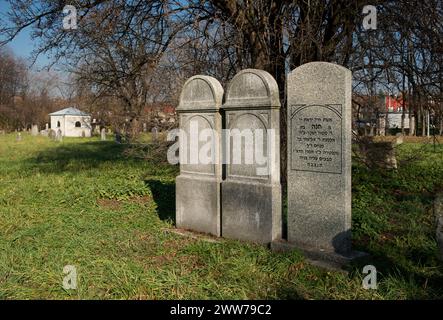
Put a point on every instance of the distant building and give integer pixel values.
(72, 122)
(394, 112)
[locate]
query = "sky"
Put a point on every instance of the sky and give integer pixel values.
(22, 45)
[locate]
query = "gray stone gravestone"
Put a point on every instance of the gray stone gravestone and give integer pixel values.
(51, 134)
(34, 130)
(251, 191)
(59, 135)
(103, 134)
(198, 185)
(154, 133)
(118, 137)
(18, 137)
(46, 126)
(319, 160)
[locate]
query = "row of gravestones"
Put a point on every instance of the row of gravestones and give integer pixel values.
(241, 200)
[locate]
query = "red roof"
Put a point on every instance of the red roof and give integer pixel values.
(395, 104)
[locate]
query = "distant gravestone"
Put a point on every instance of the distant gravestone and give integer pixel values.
(154, 132)
(34, 130)
(18, 137)
(52, 134)
(251, 191)
(378, 154)
(145, 127)
(118, 137)
(381, 125)
(46, 126)
(83, 134)
(319, 160)
(399, 138)
(103, 134)
(198, 185)
(59, 135)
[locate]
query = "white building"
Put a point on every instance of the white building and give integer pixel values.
(72, 122)
(393, 120)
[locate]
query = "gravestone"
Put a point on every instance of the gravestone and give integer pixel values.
(154, 132)
(118, 137)
(59, 135)
(251, 191)
(377, 154)
(145, 127)
(51, 134)
(198, 185)
(398, 139)
(34, 130)
(319, 161)
(381, 125)
(46, 126)
(18, 138)
(103, 134)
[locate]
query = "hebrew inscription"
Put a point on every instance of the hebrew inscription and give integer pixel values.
(316, 133)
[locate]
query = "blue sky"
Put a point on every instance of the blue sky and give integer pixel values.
(22, 45)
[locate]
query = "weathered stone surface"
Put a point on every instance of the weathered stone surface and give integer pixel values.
(198, 185)
(319, 157)
(251, 191)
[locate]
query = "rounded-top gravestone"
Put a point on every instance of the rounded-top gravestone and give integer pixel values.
(198, 185)
(251, 191)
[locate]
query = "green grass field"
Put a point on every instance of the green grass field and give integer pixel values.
(98, 207)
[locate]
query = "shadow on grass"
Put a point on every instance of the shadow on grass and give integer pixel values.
(78, 156)
(163, 192)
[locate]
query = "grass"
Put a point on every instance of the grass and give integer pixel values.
(94, 205)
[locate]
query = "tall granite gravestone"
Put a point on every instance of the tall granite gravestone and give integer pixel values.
(251, 191)
(319, 160)
(198, 185)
